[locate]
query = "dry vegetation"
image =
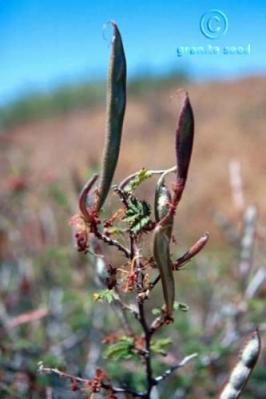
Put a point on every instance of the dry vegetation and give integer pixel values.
(43, 164)
(230, 124)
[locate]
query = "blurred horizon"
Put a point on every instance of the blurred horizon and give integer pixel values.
(47, 45)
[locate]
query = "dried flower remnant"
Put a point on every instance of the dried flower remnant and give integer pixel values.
(96, 383)
(81, 222)
(81, 232)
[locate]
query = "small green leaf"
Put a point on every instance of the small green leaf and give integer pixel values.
(181, 306)
(52, 360)
(116, 231)
(139, 225)
(105, 295)
(138, 179)
(160, 346)
(137, 214)
(122, 349)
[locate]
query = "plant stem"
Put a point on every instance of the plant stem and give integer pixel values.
(147, 355)
(142, 319)
(168, 372)
(111, 241)
(127, 180)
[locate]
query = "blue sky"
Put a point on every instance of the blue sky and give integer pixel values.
(46, 42)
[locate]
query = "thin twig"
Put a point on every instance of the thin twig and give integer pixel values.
(111, 242)
(124, 315)
(118, 390)
(168, 372)
(130, 308)
(127, 180)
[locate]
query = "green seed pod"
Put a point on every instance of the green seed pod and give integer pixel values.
(161, 254)
(162, 201)
(116, 104)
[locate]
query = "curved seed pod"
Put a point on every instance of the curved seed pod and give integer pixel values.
(184, 139)
(184, 144)
(161, 254)
(116, 104)
(162, 201)
(192, 251)
(243, 369)
(83, 197)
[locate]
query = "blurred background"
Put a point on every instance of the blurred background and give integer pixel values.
(53, 64)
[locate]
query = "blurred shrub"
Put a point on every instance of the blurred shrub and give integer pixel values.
(35, 106)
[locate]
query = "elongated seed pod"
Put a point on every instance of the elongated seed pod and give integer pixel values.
(184, 138)
(161, 254)
(162, 202)
(192, 251)
(184, 145)
(116, 104)
(243, 369)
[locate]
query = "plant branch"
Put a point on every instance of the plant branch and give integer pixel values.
(127, 180)
(169, 371)
(84, 381)
(142, 319)
(124, 315)
(111, 241)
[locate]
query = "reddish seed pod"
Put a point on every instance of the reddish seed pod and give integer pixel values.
(184, 138)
